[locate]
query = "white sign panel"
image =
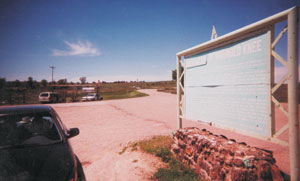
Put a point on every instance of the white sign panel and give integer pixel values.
(88, 89)
(229, 86)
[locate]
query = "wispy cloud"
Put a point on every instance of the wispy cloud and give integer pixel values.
(80, 48)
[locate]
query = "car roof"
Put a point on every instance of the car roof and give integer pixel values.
(49, 93)
(25, 109)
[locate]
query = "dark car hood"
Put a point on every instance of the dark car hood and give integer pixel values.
(45, 162)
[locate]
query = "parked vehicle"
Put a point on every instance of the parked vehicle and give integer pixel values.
(91, 97)
(49, 97)
(34, 145)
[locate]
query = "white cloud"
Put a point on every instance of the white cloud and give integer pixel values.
(79, 48)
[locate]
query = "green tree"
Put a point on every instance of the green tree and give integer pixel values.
(16, 83)
(62, 81)
(2, 82)
(44, 83)
(174, 75)
(82, 80)
(30, 82)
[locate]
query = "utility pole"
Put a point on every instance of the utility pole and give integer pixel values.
(52, 68)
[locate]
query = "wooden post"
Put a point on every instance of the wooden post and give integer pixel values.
(293, 100)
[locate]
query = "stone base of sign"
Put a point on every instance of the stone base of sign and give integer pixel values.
(215, 157)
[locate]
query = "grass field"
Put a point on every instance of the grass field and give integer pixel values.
(122, 95)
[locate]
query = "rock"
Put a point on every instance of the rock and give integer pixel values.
(175, 148)
(181, 143)
(219, 158)
(238, 162)
(189, 150)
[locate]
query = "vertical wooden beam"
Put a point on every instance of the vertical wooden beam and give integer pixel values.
(293, 99)
(179, 94)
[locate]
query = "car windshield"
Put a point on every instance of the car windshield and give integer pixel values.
(91, 95)
(44, 95)
(28, 129)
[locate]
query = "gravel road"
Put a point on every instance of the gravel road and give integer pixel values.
(106, 127)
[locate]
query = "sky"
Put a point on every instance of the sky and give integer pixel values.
(111, 40)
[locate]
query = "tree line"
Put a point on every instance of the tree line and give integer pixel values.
(29, 83)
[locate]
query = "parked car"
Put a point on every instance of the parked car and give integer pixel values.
(34, 145)
(91, 97)
(49, 97)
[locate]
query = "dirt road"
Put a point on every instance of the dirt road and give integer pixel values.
(107, 126)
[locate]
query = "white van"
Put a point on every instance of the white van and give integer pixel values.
(91, 97)
(49, 97)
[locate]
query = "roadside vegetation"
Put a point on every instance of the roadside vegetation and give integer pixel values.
(122, 94)
(160, 146)
(27, 92)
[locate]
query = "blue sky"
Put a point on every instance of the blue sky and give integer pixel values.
(111, 40)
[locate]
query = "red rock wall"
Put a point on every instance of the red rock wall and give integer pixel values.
(215, 157)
